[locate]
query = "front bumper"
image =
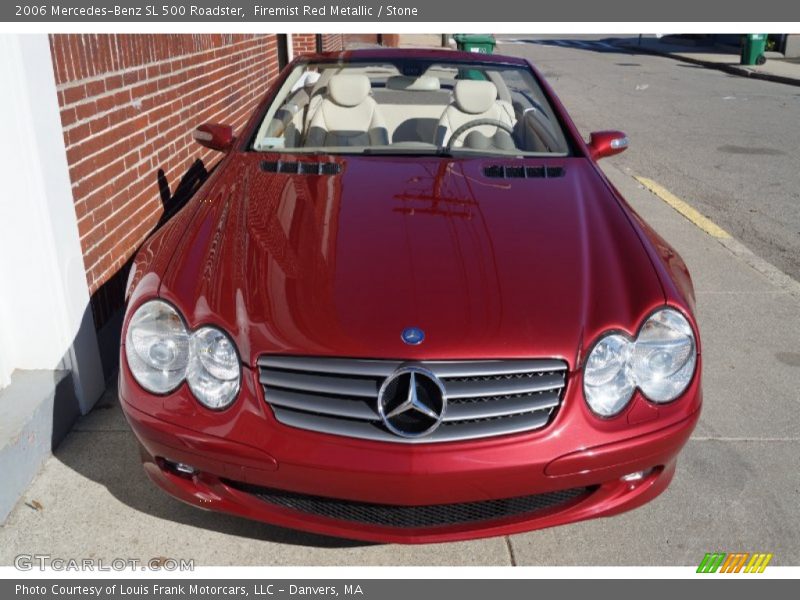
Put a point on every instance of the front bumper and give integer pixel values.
(242, 454)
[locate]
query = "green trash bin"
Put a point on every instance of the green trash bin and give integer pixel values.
(753, 49)
(483, 43)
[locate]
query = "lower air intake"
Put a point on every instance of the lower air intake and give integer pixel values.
(408, 517)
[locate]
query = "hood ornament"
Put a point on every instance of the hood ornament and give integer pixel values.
(412, 336)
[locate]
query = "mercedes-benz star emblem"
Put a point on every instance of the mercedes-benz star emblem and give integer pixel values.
(413, 335)
(412, 402)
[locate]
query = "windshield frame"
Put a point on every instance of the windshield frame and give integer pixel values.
(562, 121)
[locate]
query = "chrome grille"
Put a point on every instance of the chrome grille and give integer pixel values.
(485, 398)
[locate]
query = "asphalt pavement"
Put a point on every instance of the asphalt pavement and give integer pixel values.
(737, 486)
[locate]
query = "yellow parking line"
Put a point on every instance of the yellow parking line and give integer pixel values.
(685, 209)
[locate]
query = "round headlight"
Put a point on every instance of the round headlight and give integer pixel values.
(213, 374)
(664, 356)
(162, 352)
(660, 362)
(157, 347)
(607, 383)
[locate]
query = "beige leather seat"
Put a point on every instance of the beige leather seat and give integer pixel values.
(318, 92)
(288, 119)
(473, 100)
(412, 107)
(347, 116)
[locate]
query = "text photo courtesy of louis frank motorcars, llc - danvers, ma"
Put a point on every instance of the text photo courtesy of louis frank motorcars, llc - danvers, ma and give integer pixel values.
(274, 301)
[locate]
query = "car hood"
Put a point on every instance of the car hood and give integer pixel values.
(488, 267)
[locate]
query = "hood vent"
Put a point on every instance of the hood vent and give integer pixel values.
(301, 168)
(522, 172)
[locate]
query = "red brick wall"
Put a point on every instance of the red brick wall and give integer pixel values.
(362, 39)
(304, 43)
(332, 42)
(128, 106)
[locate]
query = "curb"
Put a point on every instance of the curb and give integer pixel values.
(777, 277)
(732, 69)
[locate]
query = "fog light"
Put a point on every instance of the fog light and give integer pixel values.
(184, 468)
(178, 468)
(636, 475)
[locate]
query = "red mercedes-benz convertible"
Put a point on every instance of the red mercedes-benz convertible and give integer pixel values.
(408, 306)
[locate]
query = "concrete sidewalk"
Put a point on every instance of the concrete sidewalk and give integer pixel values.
(724, 58)
(737, 485)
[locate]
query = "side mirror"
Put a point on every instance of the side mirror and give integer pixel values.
(607, 143)
(214, 136)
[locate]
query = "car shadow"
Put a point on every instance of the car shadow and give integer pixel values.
(172, 202)
(102, 448)
(605, 45)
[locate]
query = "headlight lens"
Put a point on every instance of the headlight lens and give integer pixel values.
(664, 356)
(162, 352)
(660, 362)
(157, 347)
(214, 372)
(607, 383)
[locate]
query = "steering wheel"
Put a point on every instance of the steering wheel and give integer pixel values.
(476, 123)
(537, 123)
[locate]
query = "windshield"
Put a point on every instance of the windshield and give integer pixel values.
(411, 107)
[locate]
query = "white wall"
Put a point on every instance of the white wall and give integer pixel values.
(45, 320)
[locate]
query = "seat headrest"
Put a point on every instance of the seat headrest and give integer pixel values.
(348, 90)
(474, 97)
(413, 84)
(311, 78)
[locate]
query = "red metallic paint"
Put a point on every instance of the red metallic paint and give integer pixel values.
(338, 266)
